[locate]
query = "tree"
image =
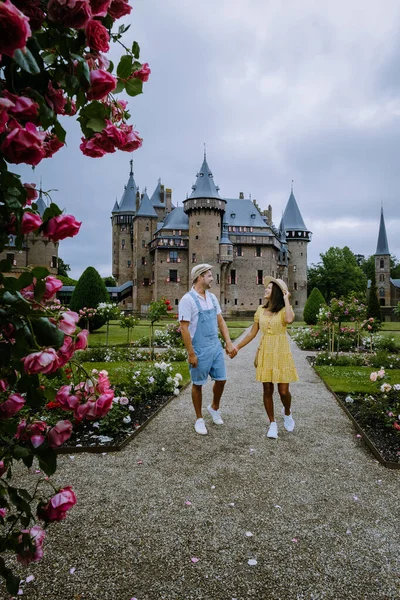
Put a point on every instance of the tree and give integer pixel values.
(89, 292)
(368, 266)
(109, 281)
(373, 306)
(311, 309)
(394, 267)
(62, 268)
(158, 309)
(338, 274)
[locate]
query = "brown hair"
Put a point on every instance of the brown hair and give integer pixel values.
(276, 301)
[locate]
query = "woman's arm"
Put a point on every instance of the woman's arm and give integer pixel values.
(289, 314)
(250, 336)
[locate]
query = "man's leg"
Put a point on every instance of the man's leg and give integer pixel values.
(218, 389)
(197, 398)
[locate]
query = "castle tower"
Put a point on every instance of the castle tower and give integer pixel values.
(144, 227)
(205, 208)
(162, 200)
(298, 237)
(225, 259)
(382, 265)
(122, 232)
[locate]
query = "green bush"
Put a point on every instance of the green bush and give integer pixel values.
(89, 292)
(311, 309)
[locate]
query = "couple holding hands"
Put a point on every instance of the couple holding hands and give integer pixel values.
(200, 319)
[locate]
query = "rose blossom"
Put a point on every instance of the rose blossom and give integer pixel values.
(24, 108)
(24, 145)
(56, 508)
(381, 373)
(143, 73)
(14, 28)
(31, 193)
(30, 222)
(5, 105)
(61, 227)
(3, 385)
(55, 99)
(96, 409)
(70, 13)
(97, 37)
(67, 400)
(396, 425)
(35, 432)
(132, 139)
(32, 9)
(89, 147)
(59, 434)
(101, 84)
(386, 387)
(82, 340)
(11, 406)
(66, 352)
(119, 8)
(3, 468)
(373, 376)
(68, 321)
(44, 361)
(25, 554)
(51, 145)
(53, 285)
(3, 512)
(99, 7)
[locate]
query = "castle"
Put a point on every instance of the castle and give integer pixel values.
(155, 245)
(388, 288)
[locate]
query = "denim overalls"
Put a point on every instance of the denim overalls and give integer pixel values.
(207, 346)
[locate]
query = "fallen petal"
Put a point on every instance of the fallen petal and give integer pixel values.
(213, 487)
(358, 435)
(295, 540)
(188, 503)
(348, 532)
(231, 504)
(194, 560)
(139, 462)
(72, 570)
(248, 534)
(30, 578)
(355, 497)
(252, 562)
(72, 457)
(277, 506)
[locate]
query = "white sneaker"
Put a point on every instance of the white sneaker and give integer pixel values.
(216, 415)
(273, 430)
(288, 421)
(200, 427)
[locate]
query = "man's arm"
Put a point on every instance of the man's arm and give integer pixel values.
(187, 340)
(229, 349)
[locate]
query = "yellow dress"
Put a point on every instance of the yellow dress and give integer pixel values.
(275, 361)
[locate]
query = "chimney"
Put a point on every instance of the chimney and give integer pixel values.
(241, 196)
(168, 203)
(137, 201)
(162, 194)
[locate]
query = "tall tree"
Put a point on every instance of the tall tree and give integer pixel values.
(338, 274)
(62, 267)
(88, 293)
(311, 309)
(373, 307)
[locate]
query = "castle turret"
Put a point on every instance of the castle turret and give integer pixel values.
(298, 237)
(205, 209)
(122, 232)
(144, 227)
(382, 264)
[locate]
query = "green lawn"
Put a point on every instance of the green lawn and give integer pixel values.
(353, 379)
(117, 370)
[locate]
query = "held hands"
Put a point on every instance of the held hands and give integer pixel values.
(231, 350)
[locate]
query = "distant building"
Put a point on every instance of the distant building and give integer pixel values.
(155, 245)
(36, 251)
(388, 288)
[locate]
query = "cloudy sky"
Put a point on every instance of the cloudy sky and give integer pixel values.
(307, 90)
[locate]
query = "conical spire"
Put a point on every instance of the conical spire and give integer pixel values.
(382, 246)
(146, 208)
(128, 200)
(116, 207)
(205, 186)
(41, 203)
(292, 219)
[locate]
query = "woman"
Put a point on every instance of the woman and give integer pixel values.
(274, 362)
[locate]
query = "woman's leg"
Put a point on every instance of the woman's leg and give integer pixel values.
(286, 397)
(268, 390)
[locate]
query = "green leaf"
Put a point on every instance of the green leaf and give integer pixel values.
(95, 110)
(26, 61)
(24, 280)
(134, 87)
(124, 68)
(28, 461)
(11, 284)
(40, 287)
(19, 452)
(59, 131)
(48, 57)
(51, 211)
(47, 334)
(120, 87)
(135, 49)
(96, 125)
(47, 461)
(40, 272)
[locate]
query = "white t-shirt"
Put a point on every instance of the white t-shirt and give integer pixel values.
(188, 310)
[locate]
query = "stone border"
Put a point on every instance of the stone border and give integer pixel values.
(386, 463)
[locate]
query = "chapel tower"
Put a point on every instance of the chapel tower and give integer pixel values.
(382, 264)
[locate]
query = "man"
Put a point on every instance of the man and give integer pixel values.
(200, 317)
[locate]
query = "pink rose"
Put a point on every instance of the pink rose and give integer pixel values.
(59, 434)
(33, 551)
(82, 340)
(53, 285)
(97, 37)
(104, 142)
(55, 99)
(67, 400)
(24, 145)
(101, 84)
(96, 409)
(91, 148)
(51, 145)
(11, 406)
(32, 9)
(24, 108)
(132, 139)
(5, 106)
(68, 322)
(36, 433)
(119, 8)
(3, 468)
(31, 193)
(3, 512)
(381, 373)
(3, 385)
(56, 508)
(61, 227)
(103, 383)
(44, 361)
(396, 425)
(70, 13)
(30, 222)
(14, 28)
(143, 73)
(66, 352)
(99, 7)
(373, 377)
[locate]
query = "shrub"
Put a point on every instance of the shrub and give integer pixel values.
(312, 306)
(89, 292)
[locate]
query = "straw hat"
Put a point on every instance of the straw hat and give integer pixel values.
(279, 282)
(199, 270)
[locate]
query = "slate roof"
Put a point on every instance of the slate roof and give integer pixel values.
(128, 200)
(292, 218)
(396, 282)
(205, 186)
(155, 199)
(116, 208)
(41, 204)
(146, 209)
(243, 211)
(176, 219)
(382, 246)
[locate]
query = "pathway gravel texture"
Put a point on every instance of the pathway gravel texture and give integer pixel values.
(314, 509)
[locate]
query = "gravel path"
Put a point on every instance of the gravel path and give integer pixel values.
(322, 512)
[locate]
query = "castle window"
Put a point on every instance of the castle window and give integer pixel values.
(176, 301)
(10, 258)
(235, 301)
(123, 244)
(198, 223)
(173, 256)
(260, 301)
(173, 275)
(294, 268)
(129, 263)
(258, 251)
(217, 278)
(232, 277)
(146, 281)
(295, 285)
(381, 277)
(144, 260)
(259, 277)
(54, 262)
(143, 243)
(251, 230)
(381, 263)
(194, 259)
(173, 232)
(197, 237)
(147, 227)
(229, 251)
(123, 227)
(244, 228)
(382, 292)
(239, 251)
(296, 303)
(179, 232)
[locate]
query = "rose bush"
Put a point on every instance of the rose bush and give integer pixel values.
(51, 64)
